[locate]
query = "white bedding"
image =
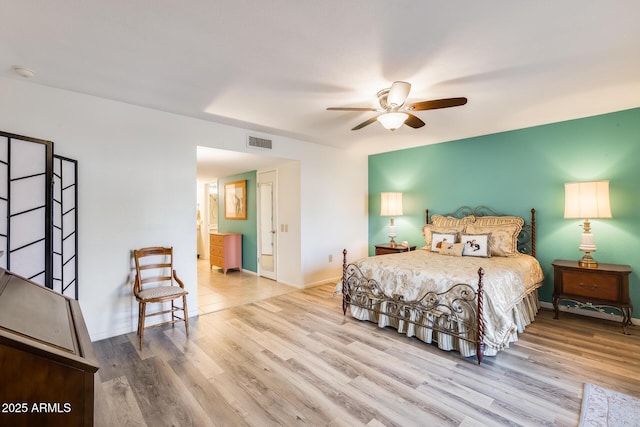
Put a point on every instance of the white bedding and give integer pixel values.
(510, 297)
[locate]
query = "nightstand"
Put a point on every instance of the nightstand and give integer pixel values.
(384, 248)
(596, 288)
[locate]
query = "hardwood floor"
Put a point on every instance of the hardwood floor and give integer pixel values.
(217, 291)
(293, 359)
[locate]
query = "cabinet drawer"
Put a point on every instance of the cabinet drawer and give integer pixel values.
(385, 251)
(216, 240)
(217, 261)
(597, 286)
(216, 251)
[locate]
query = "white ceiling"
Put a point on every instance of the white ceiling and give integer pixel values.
(214, 163)
(274, 66)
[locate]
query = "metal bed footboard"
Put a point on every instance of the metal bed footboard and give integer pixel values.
(457, 312)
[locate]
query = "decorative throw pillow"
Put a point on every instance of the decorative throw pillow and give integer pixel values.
(493, 220)
(503, 238)
(475, 245)
(450, 221)
(438, 239)
(429, 229)
(452, 249)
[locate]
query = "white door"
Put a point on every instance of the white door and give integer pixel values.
(267, 220)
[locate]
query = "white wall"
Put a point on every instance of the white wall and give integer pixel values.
(137, 170)
(289, 267)
(332, 212)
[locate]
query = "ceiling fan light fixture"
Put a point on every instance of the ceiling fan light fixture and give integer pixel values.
(392, 121)
(398, 93)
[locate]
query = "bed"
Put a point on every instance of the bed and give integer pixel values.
(471, 288)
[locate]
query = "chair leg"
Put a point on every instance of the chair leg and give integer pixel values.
(173, 314)
(185, 313)
(139, 317)
(143, 309)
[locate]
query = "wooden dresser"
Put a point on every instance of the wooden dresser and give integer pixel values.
(606, 286)
(47, 363)
(225, 251)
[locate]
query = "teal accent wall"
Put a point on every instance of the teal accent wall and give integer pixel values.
(248, 227)
(515, 171)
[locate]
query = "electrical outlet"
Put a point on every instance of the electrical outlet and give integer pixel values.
(330, 258)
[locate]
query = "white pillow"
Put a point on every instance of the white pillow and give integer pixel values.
(437, 239)
(475, 245)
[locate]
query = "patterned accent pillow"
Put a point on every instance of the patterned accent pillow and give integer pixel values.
(452, 249)
(493, 220)
(429, 229)
(438, 239)
(450, 221)
(503, 238)
(475, 245)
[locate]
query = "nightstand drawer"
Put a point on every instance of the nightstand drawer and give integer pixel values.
(590, 285)
(384, 249)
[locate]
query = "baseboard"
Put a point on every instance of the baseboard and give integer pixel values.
(332, 280)
(588, 312)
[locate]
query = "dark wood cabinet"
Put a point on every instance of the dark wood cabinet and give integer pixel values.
(385, 248)
(606, 286)
(47, 363)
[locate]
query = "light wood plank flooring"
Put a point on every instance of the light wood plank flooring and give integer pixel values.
(217, 291)
(293, 359)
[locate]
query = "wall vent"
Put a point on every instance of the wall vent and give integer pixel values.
(254, 142)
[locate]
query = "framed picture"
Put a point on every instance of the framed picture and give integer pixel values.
(235, 200)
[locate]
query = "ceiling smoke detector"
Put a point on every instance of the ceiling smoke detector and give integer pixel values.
(23, 71)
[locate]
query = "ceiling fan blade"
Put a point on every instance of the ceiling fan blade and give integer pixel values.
(414, 121)
(437, 103)
(365, 123)
(351, 109)
(398, 94)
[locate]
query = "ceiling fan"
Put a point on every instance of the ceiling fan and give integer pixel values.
(394, 113)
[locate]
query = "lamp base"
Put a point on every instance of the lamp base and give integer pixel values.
(392, 242)
(587, 261)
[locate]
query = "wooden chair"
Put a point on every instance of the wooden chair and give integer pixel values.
(156, 282)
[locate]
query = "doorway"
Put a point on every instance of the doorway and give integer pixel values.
(217, 291)
(267, 220)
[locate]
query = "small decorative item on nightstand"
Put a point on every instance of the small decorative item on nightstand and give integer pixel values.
(385, 248)
(605, 286)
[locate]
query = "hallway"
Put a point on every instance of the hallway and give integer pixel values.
(218, 291)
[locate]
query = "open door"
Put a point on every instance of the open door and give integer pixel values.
(267, 220)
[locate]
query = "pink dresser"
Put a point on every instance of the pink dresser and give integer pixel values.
(225, 251)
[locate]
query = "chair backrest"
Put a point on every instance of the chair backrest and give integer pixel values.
(154, 267)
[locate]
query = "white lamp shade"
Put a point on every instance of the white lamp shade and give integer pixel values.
(392, 121)
(391, 204)
(587, 200)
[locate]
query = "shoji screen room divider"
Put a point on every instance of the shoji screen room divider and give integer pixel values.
(38, 213)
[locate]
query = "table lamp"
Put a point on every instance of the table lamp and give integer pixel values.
(391, 205)
(587, 200)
